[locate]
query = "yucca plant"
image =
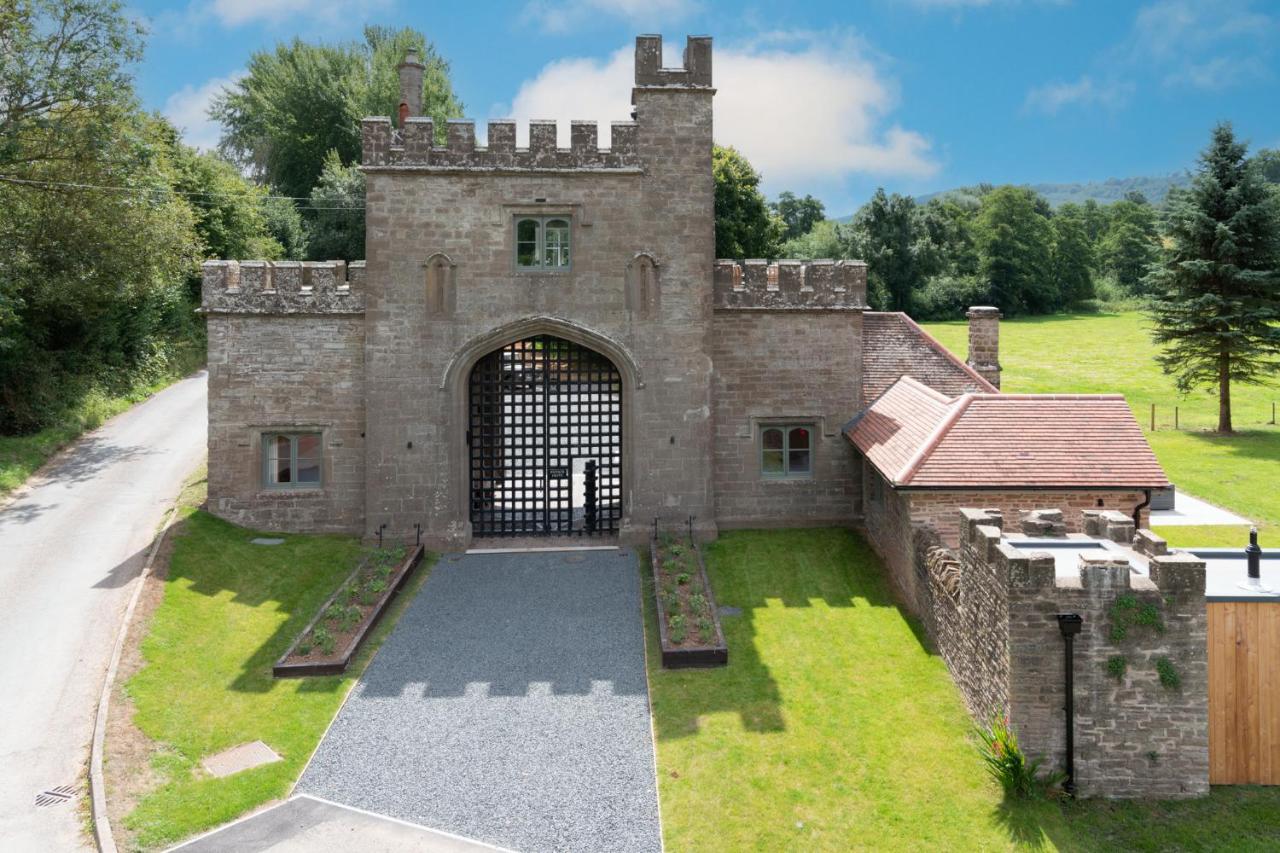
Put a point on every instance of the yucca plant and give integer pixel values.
(1018, 775)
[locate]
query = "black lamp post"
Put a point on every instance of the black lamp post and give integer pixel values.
(1070, 624)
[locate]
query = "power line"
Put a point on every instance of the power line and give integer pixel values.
(186, 194)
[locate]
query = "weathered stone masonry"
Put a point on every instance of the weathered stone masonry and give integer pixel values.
(708, 351)
(993, 615)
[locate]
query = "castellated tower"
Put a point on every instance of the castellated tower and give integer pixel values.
(540, 342)
(447, 286)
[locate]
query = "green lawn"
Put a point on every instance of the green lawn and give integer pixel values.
(230, 609)
(833, 728)
(1113, 353)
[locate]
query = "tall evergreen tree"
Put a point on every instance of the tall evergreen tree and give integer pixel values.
(1217, 286)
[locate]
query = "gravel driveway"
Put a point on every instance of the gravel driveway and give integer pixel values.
(509, 705)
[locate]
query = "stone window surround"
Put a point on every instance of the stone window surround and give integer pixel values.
(541, 243)
(760, 423)
(257, 443)
(575, 212)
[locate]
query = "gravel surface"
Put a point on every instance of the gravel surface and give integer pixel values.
(509, 705)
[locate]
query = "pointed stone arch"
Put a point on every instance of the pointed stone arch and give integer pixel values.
(455, 383)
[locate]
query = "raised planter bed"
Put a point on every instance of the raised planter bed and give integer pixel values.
(334, 635)
(688, 623)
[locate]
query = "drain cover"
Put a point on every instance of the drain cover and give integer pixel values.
(54, 796)
(574, 558)
(726, 610)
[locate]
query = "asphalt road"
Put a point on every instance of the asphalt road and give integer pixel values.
(71, 546)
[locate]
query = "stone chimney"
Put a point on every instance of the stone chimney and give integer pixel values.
(984, 342)
(410, 86)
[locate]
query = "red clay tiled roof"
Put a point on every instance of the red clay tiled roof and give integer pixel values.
(893, 346)
(1004, 440)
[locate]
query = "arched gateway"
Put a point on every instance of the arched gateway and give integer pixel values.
(545, 439)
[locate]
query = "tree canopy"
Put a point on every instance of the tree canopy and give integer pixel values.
(744, 226)
(1217, 285)
(300, 101)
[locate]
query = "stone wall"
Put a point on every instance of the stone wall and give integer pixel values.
(993, 617)
(887, 519)
(790, 368)
(941, 508)
(286, 373)
(443, 291)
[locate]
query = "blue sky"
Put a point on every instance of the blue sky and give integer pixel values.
(833, 99)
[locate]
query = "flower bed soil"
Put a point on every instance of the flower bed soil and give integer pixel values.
(688, 623)
(334, 635)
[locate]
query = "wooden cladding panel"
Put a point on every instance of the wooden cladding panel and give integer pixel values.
(1244, 693)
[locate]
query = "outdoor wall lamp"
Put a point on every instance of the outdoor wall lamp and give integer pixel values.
(1070, 624)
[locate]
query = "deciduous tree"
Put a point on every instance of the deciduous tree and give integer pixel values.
(744, 226)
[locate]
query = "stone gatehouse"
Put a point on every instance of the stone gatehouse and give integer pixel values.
(541, 342)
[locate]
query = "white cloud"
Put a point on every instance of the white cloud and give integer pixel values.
(301, 15)
(234, 13)
(978, 4)
(1220, 72)
(801, 109)
(1052, 97)
(561, 16)
(188, 109)
(1202, 44)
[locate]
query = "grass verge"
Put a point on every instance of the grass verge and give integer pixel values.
(229, 609)
(834, 728)
(22, 455)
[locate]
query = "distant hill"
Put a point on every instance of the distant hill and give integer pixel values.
(1154, 187)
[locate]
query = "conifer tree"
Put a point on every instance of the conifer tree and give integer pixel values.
(1217, 287)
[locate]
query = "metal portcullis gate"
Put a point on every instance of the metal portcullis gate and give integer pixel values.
(545, 439)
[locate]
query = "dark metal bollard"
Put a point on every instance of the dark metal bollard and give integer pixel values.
(589, 501)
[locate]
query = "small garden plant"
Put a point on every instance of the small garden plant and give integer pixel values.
(685, 601)
(352, 605)
(1020, 776)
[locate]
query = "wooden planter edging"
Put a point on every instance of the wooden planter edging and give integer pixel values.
(683, 657)
(338, 664)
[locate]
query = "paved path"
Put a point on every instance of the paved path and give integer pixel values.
(510, 706)
(1192, 510)
(307, 825)
(71, 545)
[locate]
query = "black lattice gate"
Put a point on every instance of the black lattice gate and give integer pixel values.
(545, 438)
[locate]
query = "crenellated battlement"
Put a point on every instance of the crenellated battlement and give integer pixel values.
(414, 147)
(790, 285)
(695, 74)
(282, 287)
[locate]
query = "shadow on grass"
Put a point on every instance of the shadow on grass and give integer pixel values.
(217, 559)
(755, 571)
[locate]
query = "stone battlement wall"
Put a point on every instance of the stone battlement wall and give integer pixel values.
(993, 615)
(790, 285)
(414, 147)
(282, 287)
